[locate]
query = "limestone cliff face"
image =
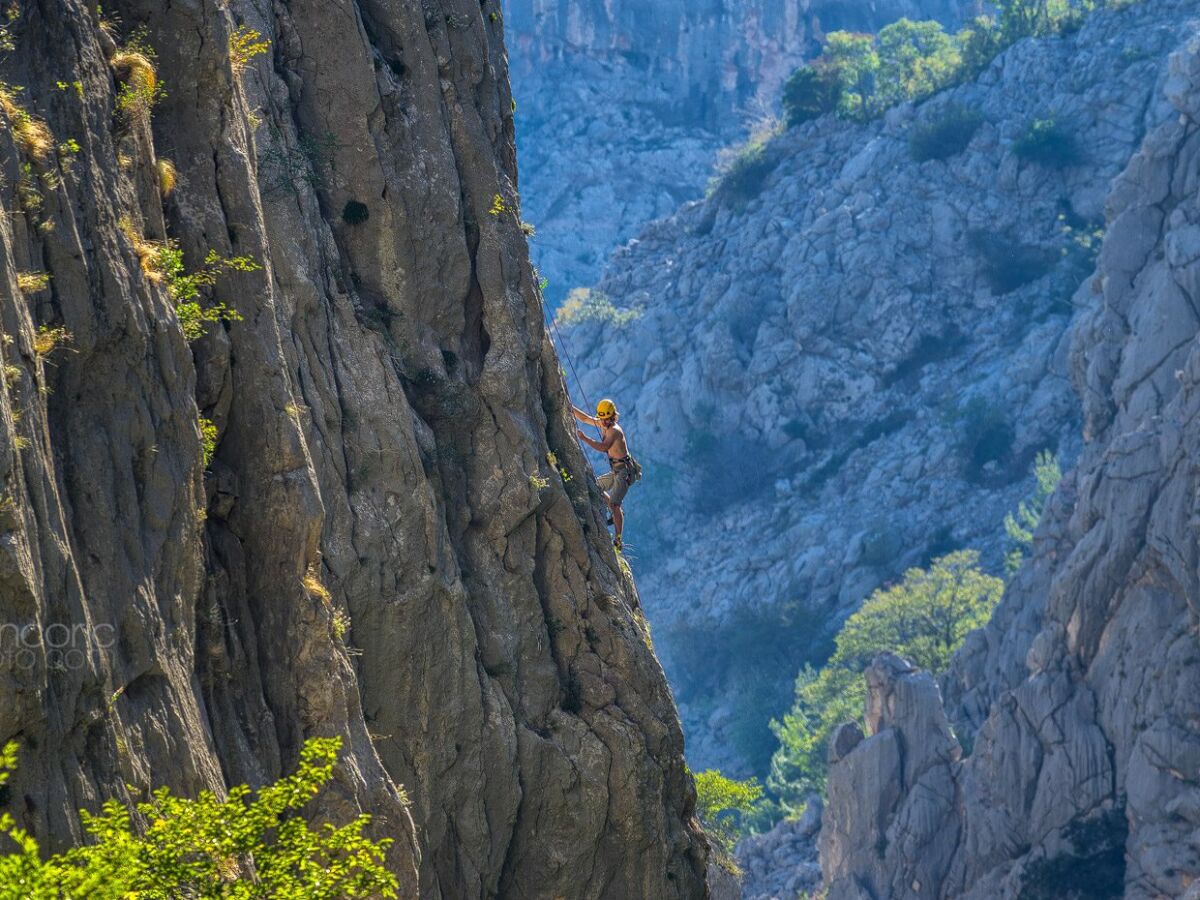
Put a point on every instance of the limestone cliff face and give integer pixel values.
(397, 540)
(848, 369)
(622, 106)
(1080, 702)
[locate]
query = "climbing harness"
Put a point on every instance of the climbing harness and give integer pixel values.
(630, 466)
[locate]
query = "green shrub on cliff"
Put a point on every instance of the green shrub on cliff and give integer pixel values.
(586, 305)
(722, 805)
(945, 136)
(810, 92)
(1049, 144)
(1020, 526)
(924, 618)
(742, 169)
(251, 845)
(861, 76)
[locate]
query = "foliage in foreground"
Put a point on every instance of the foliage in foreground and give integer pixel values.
(248, 846)
(925, 619)
(722, 804)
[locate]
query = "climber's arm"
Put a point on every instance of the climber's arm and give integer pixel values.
(603, 445)
(583, 417)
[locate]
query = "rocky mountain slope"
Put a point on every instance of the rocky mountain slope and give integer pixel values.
(623, 106)
(847, 367)
(1066, 758)
(385, 544)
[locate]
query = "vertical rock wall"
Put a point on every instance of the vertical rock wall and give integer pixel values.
(397, 539)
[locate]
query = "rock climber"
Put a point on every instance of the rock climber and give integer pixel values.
(624, 468)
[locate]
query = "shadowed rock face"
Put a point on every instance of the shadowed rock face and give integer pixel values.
(1080, 702)
(397, 540)
(848, 368)
(623, 105)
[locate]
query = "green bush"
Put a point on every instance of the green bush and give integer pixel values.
(1095, 870)
(916, 59)
(722, 805)
(861, 76)
(985, 436)
(744, 178)
(1047, 143)
(184, 287)
(742, 170)
(943, 137)
(1009, 265)
(1031, 18)
(1020, 526)
(587, 305)
(925, 618)
(810, 92)
(252, 845)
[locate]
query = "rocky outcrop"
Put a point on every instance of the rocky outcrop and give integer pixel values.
(622, 107)
(1079, 702)
(782, 863)
(859, 356)
(396, 539)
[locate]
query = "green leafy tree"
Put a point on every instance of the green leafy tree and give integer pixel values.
(924, 618)
(1048, 143)
(722, 804)
(184, 287)
(978, 44)
(855, 64)
(587, 305)
(810, 92)
(246, 847)
(861, 76)
(1021, 525)
(915, 60)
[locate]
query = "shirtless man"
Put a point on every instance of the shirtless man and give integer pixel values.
(612, 442)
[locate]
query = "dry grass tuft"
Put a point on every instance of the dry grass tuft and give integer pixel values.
(167, 176)
(140, 89)
(48, 338)
(31, 134)
(314, 587)
(135, 69)
(147, 250)
(33, 282)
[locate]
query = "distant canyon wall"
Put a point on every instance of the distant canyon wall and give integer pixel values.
(848, 368)
(1065, 760)
(623, 105)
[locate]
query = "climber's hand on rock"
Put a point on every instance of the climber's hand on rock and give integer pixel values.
(580, 433)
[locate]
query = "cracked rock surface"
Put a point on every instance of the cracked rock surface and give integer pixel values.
(1080, 702)
(397, 539)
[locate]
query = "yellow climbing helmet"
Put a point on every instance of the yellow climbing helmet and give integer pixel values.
(606, 409)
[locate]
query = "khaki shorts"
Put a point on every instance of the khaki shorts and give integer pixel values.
(615, 484)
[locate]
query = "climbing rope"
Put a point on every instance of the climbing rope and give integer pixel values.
(561, 345)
